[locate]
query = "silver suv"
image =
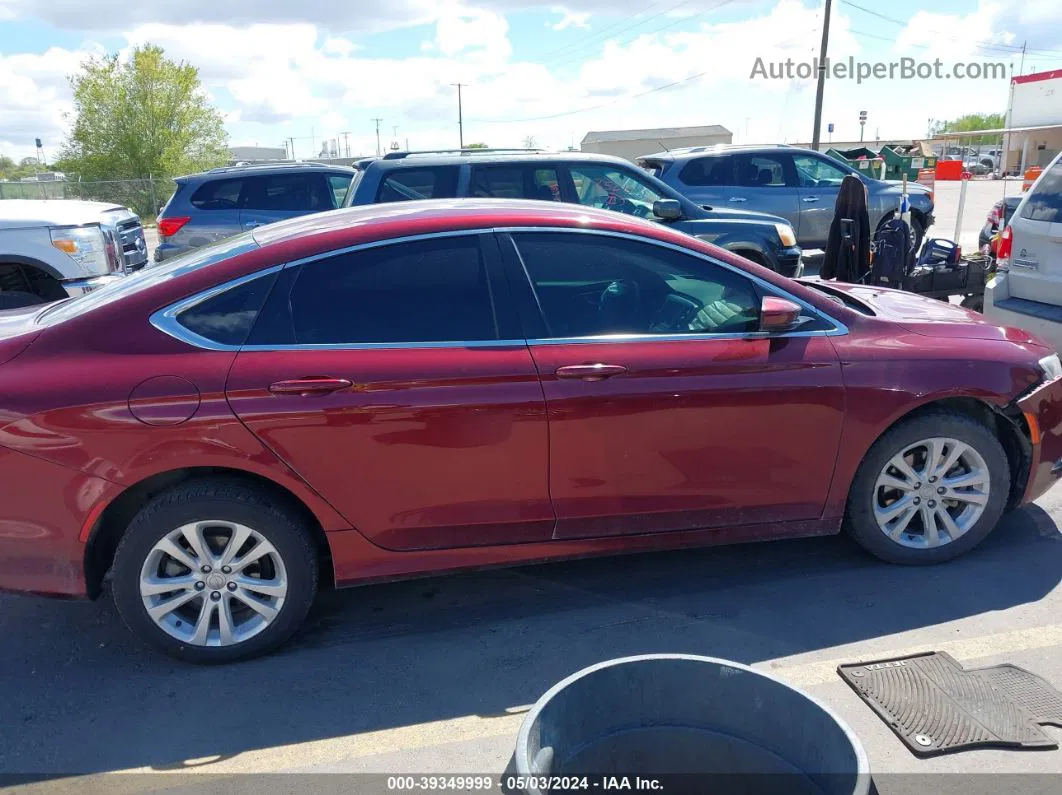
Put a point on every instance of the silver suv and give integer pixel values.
(1027, 290)
(798, 184)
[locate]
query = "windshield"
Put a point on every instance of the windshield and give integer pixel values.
(149, 276)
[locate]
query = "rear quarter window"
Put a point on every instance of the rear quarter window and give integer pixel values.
(227, 318)
(707, 171)
(409, 184)
(1045, 201)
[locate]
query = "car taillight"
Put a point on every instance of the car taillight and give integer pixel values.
(171, 226)
(1006, 243)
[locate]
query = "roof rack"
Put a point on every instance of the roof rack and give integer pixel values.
(272, 164)
(466, 151)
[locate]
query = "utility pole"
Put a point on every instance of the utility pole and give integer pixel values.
(346, 141)
(377, 136)
(1021, 68)
(313, 142)
(292, 139)
(460, 117)
(822, 75)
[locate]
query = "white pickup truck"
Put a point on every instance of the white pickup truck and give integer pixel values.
(55, 249)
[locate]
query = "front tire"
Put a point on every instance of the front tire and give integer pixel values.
(930, 489)
(215, 571)
(16, 299)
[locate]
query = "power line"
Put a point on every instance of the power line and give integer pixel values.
(625, 98)
(863, 33)
(658, 29)
(984, 44)
(596, 35)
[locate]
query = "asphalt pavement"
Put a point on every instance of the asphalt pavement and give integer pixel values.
(433, 675)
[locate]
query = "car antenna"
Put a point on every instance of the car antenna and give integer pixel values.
(663, 147)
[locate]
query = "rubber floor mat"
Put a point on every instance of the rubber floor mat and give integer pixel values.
(936, 706)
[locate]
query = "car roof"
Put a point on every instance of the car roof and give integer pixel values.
(265, 168)
(351, 226)
(692, 152)
(422, 159)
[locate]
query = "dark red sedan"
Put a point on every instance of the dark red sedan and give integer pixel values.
(388, 391)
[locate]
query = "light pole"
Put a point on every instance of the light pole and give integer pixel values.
(377, 136)
(862, 124)
(460, 117)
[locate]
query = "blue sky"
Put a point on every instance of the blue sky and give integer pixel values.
(549, 72)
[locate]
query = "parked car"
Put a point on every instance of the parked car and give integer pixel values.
(592, 180)
(1027, 290)
(797, 184)
(998, 218)
(55, 249)
(395, 390)
(222, 202)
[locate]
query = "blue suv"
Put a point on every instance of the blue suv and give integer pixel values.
(798, 184)
(220, 203)
(579, 178)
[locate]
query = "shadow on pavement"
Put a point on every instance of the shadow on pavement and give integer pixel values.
(81, 695)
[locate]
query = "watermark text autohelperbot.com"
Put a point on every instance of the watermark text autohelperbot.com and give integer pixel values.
(902, 69)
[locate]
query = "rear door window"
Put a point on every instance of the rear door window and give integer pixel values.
(1045, 201)
(516, 182)
(760, 171)
(410, 184)
(218, 194)
(306, 192)
(433, 290)
(709, 171)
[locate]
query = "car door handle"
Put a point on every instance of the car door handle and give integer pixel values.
(307, 387)
(810, 198)
(590, 372)
(737, 199)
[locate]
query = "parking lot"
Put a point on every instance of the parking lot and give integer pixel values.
(432, 675)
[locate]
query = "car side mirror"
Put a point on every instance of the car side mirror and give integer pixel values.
(668, 209)
(778, 314)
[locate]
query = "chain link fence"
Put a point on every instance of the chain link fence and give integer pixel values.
(142, 196)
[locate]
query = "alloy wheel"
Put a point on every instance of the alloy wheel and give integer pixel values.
(213, 583)
(931, 493)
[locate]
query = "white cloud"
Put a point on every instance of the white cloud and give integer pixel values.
(335, 45)
(570, 19)
(472, 31)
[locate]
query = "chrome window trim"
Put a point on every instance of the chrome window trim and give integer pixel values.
(165, 320)
(838, 329)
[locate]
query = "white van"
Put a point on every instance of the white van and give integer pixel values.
(1027, 289)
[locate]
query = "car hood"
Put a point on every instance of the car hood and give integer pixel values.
(740, 215)
(930, 317)
(23, 213)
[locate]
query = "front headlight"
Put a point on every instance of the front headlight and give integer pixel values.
(85, 245)
(1051, 366)
(785, 233)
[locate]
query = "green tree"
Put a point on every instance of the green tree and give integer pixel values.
(975, 121)
(9, 169)
(143, 116)
(477, 146)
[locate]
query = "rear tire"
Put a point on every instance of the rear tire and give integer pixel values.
(894, 523)
(214, 612)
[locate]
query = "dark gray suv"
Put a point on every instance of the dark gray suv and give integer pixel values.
(219, 203)
(577, 177)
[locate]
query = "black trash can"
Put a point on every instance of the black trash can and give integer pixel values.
(695, 724)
